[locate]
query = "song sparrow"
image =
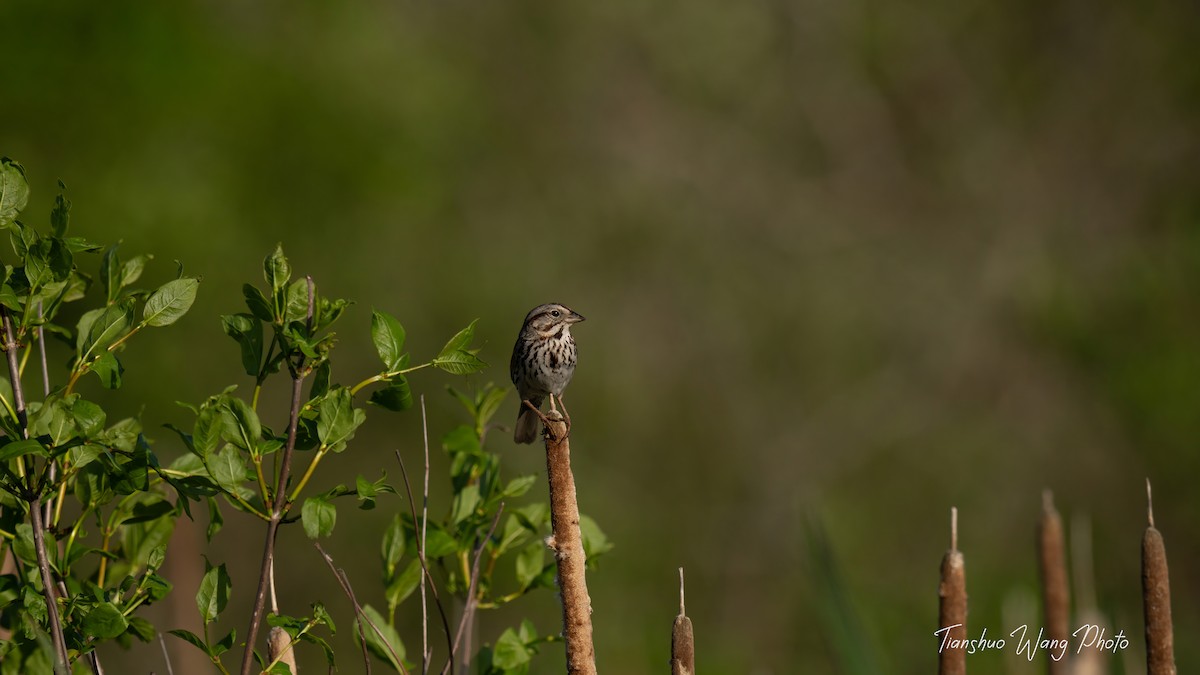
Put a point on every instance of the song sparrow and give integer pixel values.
(543, 361)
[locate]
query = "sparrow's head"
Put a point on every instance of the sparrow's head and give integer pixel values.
(550, 319)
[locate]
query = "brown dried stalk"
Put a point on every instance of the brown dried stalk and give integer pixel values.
(279, 648)
(952, 607)
(567, 544)
(1056, 596)
(1156, 598)
(683, 642)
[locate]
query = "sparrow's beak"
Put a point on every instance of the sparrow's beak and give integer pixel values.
(574, 317)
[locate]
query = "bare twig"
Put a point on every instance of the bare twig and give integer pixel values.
(1156, 599)
(952, 607)
(469, 608)
(683, 641)
(426, 655)
(421, 556)
(41, 342)
(166, 657)
(359, 614)
(279, 505)
(567, 544)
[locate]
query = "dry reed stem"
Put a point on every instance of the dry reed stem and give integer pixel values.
(1156, 599)
(1056, 596)
(683, 643)
(952, 606)
(567, 544)
(1087, 661)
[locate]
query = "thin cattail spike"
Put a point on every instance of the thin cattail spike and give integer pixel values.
(1149, 504)
(681, 612)
(953, 528)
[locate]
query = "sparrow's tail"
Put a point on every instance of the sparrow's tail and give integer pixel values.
(527, 422)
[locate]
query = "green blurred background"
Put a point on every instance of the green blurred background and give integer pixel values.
(845, 265)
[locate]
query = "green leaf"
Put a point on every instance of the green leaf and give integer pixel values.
(191, 638)
(384, 644)
(131, 270)
(325, 648)
(171, 301)
(465, 502)
(296, 301)
(228, 468)
(83, 455)
(241, 426)
(215, 519)
(141, 629)
(527, 632)
(276, 269)
(109, 369)
(28, 446)
(257, 303)
(393, 546)
(157, 555)
(519, 486)
(60, 215)
(141, 538)
(82, 328)
(438, 542)
(23, 546)
(388, 336)
(366, 492)
(108, 327)
(248, 331)
(14, 191)
(154, 507)
(459, 362)
(89, 417)
(460, 341)
(594, 540)
(320, 385)
(214, 593)
(319, 516)
(530, 563)
(226, 643)
(104, 621)
(396, 396)
(492, 398)
(206, 435)
(338, 419)
(403, 585)
(510, 652)
(47, 261)
(110, 274)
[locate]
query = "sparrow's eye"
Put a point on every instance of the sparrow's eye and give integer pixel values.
(555, 313)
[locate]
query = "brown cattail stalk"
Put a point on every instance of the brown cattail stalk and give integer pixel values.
(1056, 596)
(952, 607)
(279, 648)
(1156, 599)
(567, 544)
(683, 644)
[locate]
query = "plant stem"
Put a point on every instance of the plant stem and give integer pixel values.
(39, 545)
(321, 452)
(34, 499)
(385, 376)
(280, 506)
